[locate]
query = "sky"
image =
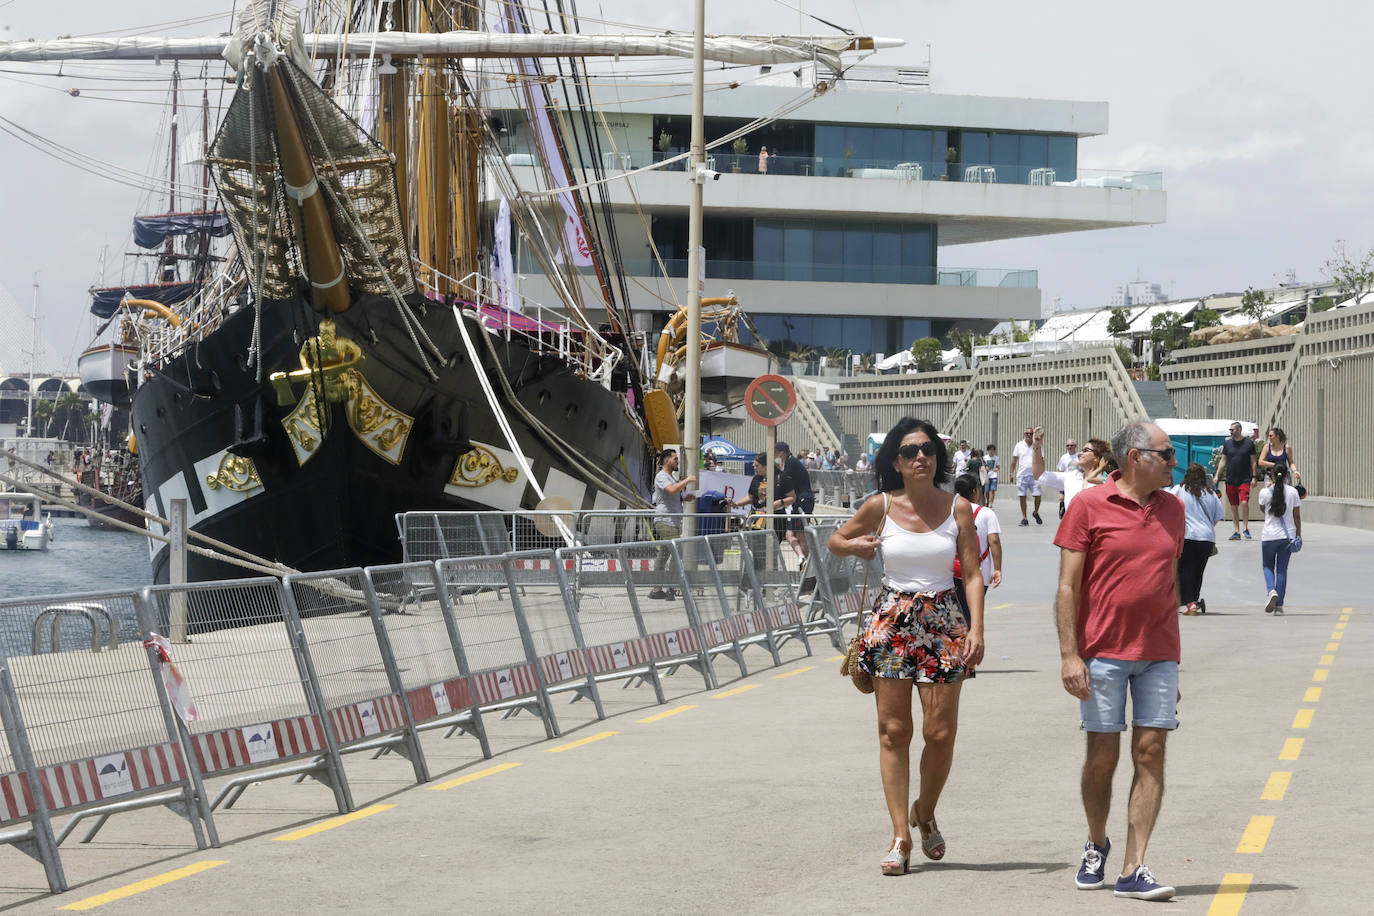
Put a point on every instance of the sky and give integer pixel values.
(1259, 116)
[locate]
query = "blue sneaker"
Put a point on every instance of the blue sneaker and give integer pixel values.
(1094, 864)
(1142, 886)
(1234, 537)
(1247, 534)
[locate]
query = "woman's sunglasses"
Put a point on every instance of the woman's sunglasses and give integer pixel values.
(911, 450)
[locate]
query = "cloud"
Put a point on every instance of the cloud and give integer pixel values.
(1260, 146)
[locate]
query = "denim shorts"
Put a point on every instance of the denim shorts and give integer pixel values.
(1154, 695)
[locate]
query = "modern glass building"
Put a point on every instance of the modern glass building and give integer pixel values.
(838, 225)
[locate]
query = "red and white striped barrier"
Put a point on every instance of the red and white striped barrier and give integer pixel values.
(589, 564)
(359, 721)
(439, 699)
(504, 684)
(238, 748)
(84, 782)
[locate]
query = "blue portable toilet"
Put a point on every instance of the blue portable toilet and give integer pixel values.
(1198, 439)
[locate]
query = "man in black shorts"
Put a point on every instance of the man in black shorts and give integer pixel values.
(795, 478)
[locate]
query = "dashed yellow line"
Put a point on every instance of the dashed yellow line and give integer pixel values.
(1291, 749)
(1312, 695)
(1342, 624)
(731, 693)
(665, 714)
(998, 607)
(333, 822)
(795, 673)
(1332, 646)
(1338, 634)
(599, 736)
(146, 884)
(835, 658)
(1277, 786)
(1303, 719)
(473, 777)
(1256, 834)
(1320, 674)
(1327, 660)
(1230, 895)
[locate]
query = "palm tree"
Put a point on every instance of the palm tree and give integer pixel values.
(92, 419)
(67, 402)
(44, 410)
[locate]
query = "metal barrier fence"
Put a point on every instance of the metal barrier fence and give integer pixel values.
(280, 678)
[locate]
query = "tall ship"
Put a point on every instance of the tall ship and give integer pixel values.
(363, 350)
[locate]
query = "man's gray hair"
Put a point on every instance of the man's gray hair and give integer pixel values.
(1135, 434)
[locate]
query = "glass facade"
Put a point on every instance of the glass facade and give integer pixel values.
(787, 333)
(840, 251)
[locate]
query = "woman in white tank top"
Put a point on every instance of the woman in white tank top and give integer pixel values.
(916, 631)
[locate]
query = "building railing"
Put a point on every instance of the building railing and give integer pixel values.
(838, 272)
(876, 169)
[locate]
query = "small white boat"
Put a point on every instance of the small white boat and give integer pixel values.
(102, 370)
(23, 526)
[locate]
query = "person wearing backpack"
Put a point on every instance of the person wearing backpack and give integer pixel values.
(989, 531)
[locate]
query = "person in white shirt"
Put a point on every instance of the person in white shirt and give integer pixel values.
(1069, 482)
(1282, 534)
(961, 458)
(989, 531)
(1066, 461)
(1201, 512)
(1026, 482)
(994, 469)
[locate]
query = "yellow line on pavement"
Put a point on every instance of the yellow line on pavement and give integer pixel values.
(1320, 674)
(473, 777)
(1230, 895)
(1257, 834)
(1303, 719)
(146, 884)
(569, 746)
(1291, 749)
(1337, 635)
(1341, 624)
(1312, 695)
(333, 822)
(1327, 660)
(1332, 646)
(795, 673)
(1277, 785)
(665, 714)
(835, 658)
(998, 607)
(730, 693)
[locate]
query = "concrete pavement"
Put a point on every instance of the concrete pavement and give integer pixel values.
(763, 796)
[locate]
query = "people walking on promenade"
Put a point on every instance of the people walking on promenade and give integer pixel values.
(1278, 452)
(989, 531)
(1069, 480)
(1201, 512)
(1238, 458)
(793, 478)
(1067, 461)
(993, 464)
(1026, 484)
(1116, 613)
(961, 458)
(1281, 537)
(916, 632)
(668, 500)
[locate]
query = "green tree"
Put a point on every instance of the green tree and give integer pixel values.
(1354, 274)
(1206, 318)
(964, 342)
(1125, 354)
(1253, 302)
(1019, 334)
(1322, 304)
(68, 403)
(1166, 329)
(929, 354)
(43, 410)
(1119, 323)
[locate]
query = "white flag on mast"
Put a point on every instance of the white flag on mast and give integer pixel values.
(574, 235)
(502, 268)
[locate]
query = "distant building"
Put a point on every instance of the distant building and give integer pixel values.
(1140, 292)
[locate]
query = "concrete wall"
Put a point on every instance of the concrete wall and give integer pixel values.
(1232, 381)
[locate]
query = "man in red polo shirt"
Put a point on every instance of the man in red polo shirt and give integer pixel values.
(1116, 611)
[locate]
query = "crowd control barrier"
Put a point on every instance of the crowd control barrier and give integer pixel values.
(428, 654)
(261, 715)
(634, 612)
(356, 676)
(90, 733)
(249, 680)
(504, 673)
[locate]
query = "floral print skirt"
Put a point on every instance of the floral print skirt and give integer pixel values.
(916, 636)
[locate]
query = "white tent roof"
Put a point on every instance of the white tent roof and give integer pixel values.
(1143, 320)
(1237, 318)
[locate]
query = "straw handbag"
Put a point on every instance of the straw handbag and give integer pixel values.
(850, 666)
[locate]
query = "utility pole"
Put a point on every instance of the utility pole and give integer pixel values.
(33, 350)
(696, 169)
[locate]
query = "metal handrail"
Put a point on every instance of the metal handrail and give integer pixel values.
(89, 610)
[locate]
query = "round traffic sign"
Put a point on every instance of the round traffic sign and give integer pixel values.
(770, 399)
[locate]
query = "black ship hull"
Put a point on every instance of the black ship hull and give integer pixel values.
(201, 417)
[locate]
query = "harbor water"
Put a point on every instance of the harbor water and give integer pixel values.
(80, 559)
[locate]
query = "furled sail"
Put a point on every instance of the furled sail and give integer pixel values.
(105, 301)
(152, 231)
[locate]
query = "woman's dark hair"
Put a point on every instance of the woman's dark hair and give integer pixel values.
(966, 485)
(1195, 479)
(1278, 431)
(884, 469)
(1278, 500)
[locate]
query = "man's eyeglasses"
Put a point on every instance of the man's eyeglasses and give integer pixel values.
(1165, 454)
(911, 450)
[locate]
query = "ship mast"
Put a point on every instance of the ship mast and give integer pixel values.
(168, 271)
